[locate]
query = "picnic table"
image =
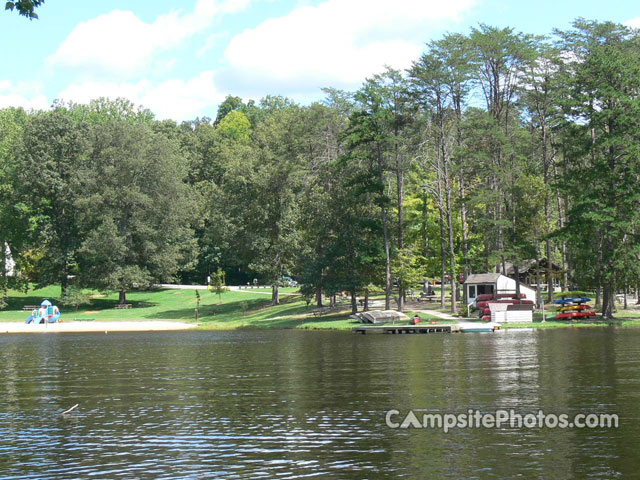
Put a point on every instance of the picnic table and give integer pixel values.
(28, 308)
(122, 306)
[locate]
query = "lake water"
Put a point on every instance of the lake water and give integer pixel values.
(293, 404)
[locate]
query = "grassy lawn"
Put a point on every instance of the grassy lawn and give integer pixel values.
(552, 324)
(239, 309)
(176, 305)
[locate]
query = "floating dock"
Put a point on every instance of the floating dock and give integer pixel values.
(400, 329)
(464, 327)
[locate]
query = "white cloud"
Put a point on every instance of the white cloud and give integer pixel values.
(176, 99)
(633, 23)
(120, 44)
(339, 42)
(210, 42)
(25, 94)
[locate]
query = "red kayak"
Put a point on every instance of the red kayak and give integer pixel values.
(564, 316)
(484, 296)
(487, 318)
(512, 302)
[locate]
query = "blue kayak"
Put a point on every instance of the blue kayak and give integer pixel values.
(564, 301)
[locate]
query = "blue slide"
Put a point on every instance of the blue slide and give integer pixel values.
(46, 313)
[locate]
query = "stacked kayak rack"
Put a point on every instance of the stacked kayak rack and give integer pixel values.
(571, 308)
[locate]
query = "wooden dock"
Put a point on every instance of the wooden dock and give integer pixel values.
(400, 329)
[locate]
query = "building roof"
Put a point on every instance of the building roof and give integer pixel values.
(529, 266)
(483, 278)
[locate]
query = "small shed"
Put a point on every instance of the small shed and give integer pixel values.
(504, 313)
(495, 283)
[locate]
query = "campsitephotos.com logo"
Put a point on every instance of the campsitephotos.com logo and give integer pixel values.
(498, 419)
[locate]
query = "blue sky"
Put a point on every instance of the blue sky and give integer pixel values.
(181, 58)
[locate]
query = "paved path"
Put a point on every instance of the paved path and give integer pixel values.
(233, 288)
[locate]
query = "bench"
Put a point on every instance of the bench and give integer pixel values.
(28, 308)
(428, 298)
(122, 306)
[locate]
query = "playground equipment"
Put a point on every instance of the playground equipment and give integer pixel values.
(47, 313)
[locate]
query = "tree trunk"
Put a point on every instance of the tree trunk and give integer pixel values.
(549, 272)
(452, 256)
(400, 191)
(565, 268)
(443, 237)
(569, 260)
(385, 232)
(319, 297)
(3, 275)
(64, 279)
(275, 289)
(366, 300)
(547, 209)
(638, 293)
(354, 302)
(539, 299)
(516, 272)
(454, 300)
(443, 261)
(465, 229)
(608, 301)
(123, 297)
(561, 212)
(332, 301)
(599, 274)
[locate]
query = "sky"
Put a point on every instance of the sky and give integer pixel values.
(180, 59)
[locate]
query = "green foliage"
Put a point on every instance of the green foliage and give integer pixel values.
(74, 297)
(218, 282)
(406, 178)
(54, 150)
(136, 211)
(602, 87)
(235, 126)
(24, 7)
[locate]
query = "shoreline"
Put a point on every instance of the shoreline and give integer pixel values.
(168, 326)
(94, 327)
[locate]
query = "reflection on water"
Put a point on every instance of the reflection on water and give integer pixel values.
(288, 404)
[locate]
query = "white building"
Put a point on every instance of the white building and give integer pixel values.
(495, 283)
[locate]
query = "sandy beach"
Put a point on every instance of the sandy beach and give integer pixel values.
(75, 327)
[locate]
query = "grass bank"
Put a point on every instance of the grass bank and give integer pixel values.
(233, 310)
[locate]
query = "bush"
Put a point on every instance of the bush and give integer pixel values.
(74, 298)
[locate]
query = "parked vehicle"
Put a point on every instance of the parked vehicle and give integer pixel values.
(289, 282)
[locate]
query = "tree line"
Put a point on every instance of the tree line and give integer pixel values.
(494, 148)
